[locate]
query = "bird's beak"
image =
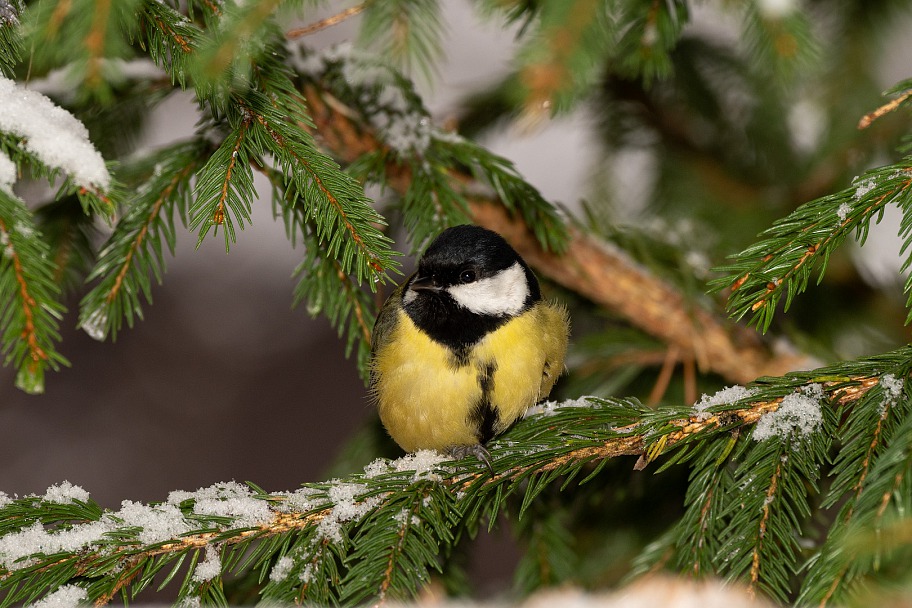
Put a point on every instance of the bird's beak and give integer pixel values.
(424, 284)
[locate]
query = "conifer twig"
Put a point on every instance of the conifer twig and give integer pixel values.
(325, 23)
(886, 108)
(565, 442)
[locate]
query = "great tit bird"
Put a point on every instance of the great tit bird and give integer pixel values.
(465, 345)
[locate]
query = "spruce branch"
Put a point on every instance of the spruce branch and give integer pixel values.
(781, 264)
(86, 34)
(378, 533)
(229, 51)
(407, 32)
(224, 189)
(170, 39)
(564, 56)
(29, 298)
(134, 250)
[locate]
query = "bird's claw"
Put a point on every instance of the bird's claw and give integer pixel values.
(458, 452)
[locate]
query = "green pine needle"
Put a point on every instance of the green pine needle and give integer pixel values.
(30, 308)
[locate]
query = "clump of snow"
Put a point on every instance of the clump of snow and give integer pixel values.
(190, 601)
(227, 499)
(5, 499)
(7, 173)
(864, 187)
(843, 211)
(346, 507)
(399, 121)
(405, 517)
(154, 523)
(798, 414)
(892, 387)
(425, 463)
(726, 396)
(281, 569)
(892, 390)
(66, 596)
(299, 501)
(209, 568)
(17, 546)
(159, 522)
(65, 492)
(307, 574)
(52, 134)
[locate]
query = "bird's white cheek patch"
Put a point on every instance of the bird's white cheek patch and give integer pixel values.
(503, 294)
(409, 296)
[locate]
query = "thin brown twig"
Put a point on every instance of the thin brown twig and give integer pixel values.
(325, 23)
(661, 384)
(888, 107)
(761, 533)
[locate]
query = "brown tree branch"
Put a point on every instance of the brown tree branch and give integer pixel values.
(589, 266)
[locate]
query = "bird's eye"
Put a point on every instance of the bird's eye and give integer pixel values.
(467, 276)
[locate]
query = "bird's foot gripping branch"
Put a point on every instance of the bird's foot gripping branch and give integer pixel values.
(757, 456)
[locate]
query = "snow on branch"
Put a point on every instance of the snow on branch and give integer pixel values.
(335, 542)
(52, 134)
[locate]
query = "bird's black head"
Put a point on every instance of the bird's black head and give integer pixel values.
(469, 282)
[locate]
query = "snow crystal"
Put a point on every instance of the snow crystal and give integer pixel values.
(227, 499)
(405, 517)
(843, 211)
(798, 413)
(864, 187)
(727, 396)
(191, 601)
(281, 569)
(307, 574)
(7, 173)
(892, 390)
(52, 134)
(65, 492)
(343, 496)
(66, 596)
(159, 523)
(209, 568)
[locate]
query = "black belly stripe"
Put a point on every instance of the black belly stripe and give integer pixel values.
(483, 416)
